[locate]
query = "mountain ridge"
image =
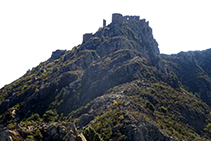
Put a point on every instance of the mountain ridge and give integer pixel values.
(114, 86)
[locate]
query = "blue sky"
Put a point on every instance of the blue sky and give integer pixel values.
(31, 30)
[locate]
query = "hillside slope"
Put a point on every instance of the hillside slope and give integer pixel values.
(114, 86)
(193, 71)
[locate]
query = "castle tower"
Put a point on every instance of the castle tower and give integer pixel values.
(86, 37)
(104, 22)
(117, 18)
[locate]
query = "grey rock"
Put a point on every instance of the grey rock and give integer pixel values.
(56, 54)
(84, 120)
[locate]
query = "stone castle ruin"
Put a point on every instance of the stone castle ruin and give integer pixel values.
(117, 18)
(86, 37)
(104, 22)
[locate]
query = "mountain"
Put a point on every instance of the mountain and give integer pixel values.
(193, 71)
(114, 86)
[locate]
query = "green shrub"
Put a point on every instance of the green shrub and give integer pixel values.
(152, 78)
(121, 117)
(24, 87)
(208, 128)
(168, 124)
(50, 116)
(34, 117)
(153, 90)
(122, 138)
(38, 135)
(163, 109)
(150, 106)
(198, 103)
(91, 135)
(158, 85)
(30, 137)
(11, 126)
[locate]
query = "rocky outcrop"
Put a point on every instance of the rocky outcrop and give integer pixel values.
(56, 54)
(193, 71)
(145, 132)
(99, 104)
(15, 98)
(135, 129)
(7, 135)
(65, 131)
(126, 32)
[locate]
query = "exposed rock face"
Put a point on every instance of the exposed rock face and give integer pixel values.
(193, 70)
(15, 98)
(145, 132)
(6, 135)
(135, 129)
(56, 54)
(66, 132)
(84, 120)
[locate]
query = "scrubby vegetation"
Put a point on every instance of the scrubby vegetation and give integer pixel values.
(116, 86)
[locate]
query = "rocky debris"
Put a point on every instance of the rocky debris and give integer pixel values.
(7, 135)
(106, 100)
(145, 132)
(65, 131)
(99, 104)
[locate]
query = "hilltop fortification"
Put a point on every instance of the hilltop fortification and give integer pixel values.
(86, 37)
(114, 86)
(118, 19)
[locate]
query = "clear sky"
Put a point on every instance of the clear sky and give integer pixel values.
(31, 29)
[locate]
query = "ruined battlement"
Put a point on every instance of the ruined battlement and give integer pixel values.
(117, 18)
(86, 37)
(128, 18)
(104, 22)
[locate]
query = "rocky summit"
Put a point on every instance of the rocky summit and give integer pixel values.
(114, 86)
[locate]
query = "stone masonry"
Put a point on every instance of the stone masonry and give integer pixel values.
(117, 18)
(86, 37)
(104, 22)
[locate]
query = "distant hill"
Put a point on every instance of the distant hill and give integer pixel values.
(114, 86)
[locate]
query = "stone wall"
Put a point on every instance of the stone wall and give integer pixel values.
(104, 22)
(117, 18)
(127, 18)
(86, 37)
